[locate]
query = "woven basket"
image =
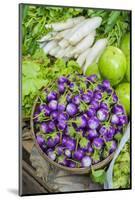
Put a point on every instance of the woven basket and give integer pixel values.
(86, 170)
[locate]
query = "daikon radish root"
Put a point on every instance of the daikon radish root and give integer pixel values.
(82, 57)
(63, 43)
(47, 37)
(41, 45)
(50, 45)
(61, 34)
(65, 25)
(85, 29)
(54, 51)
(60, 53)
(68, 52)
(85, 43)
(75, 28)
(96, 50)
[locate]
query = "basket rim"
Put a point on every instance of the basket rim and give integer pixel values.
(85, 170)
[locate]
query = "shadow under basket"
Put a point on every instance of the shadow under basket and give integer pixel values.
(86, 170)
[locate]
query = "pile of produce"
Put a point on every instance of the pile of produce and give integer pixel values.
(78, 119)
(74, 39)
(90, 68)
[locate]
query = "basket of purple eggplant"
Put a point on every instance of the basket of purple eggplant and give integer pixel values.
(76, 122)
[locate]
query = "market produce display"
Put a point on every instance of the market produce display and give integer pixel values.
(77, 119)
(81, 58)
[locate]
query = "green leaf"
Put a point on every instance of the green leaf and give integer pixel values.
(30, 69)
(98, 176)
(83, 142)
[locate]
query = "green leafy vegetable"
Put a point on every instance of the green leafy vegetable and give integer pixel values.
(37, 72)
(121, 171)
(98, 176)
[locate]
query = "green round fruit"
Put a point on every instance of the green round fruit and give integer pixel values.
(128, 69)
(125, 44)
(92, 69)
(112, 65)
(123, 93)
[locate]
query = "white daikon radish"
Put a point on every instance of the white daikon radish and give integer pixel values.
(85, 43)
(76, 55)
(68, 52)
(60, 53)
(54, 51)
(85, 29)
(75, 28)
(96, 50)
(50, 45)
(41, 45)
(82, 57)
(47, 37)
(61, 34)
(63, 43)
(65, 25)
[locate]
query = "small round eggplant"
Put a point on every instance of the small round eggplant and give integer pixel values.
(62, 116)
(102, 114)
(71, 144)
(51, 142)
(78, 154)
(118, 109)
(91, 112)
(115, 119)
(40, 140)
(106, 84)
(62, 79)
(104, 106)
(51, 154)
(61, 88)
(44, 128)
(68, 153)
(123, 120)
(76, 100)
(61, 107)
(114, 97)
(71, 109)
(82, 122)
(59, 150)
(92, 133)
(51, 96)
(93, 123)
(46, 110)
(97, 95)
(54, 115)
(86, 98)
(86, 161)
(71, 164)
(53, 104)
(51, 126)
(92, 78)
(98, 143)
(61, 125)
(94, 104)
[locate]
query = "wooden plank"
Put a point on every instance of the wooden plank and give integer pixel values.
(30, 185)
(32, 173)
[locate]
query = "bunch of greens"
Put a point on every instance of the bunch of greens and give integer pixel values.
(114, 25)
(121, 171)
(37, 72)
